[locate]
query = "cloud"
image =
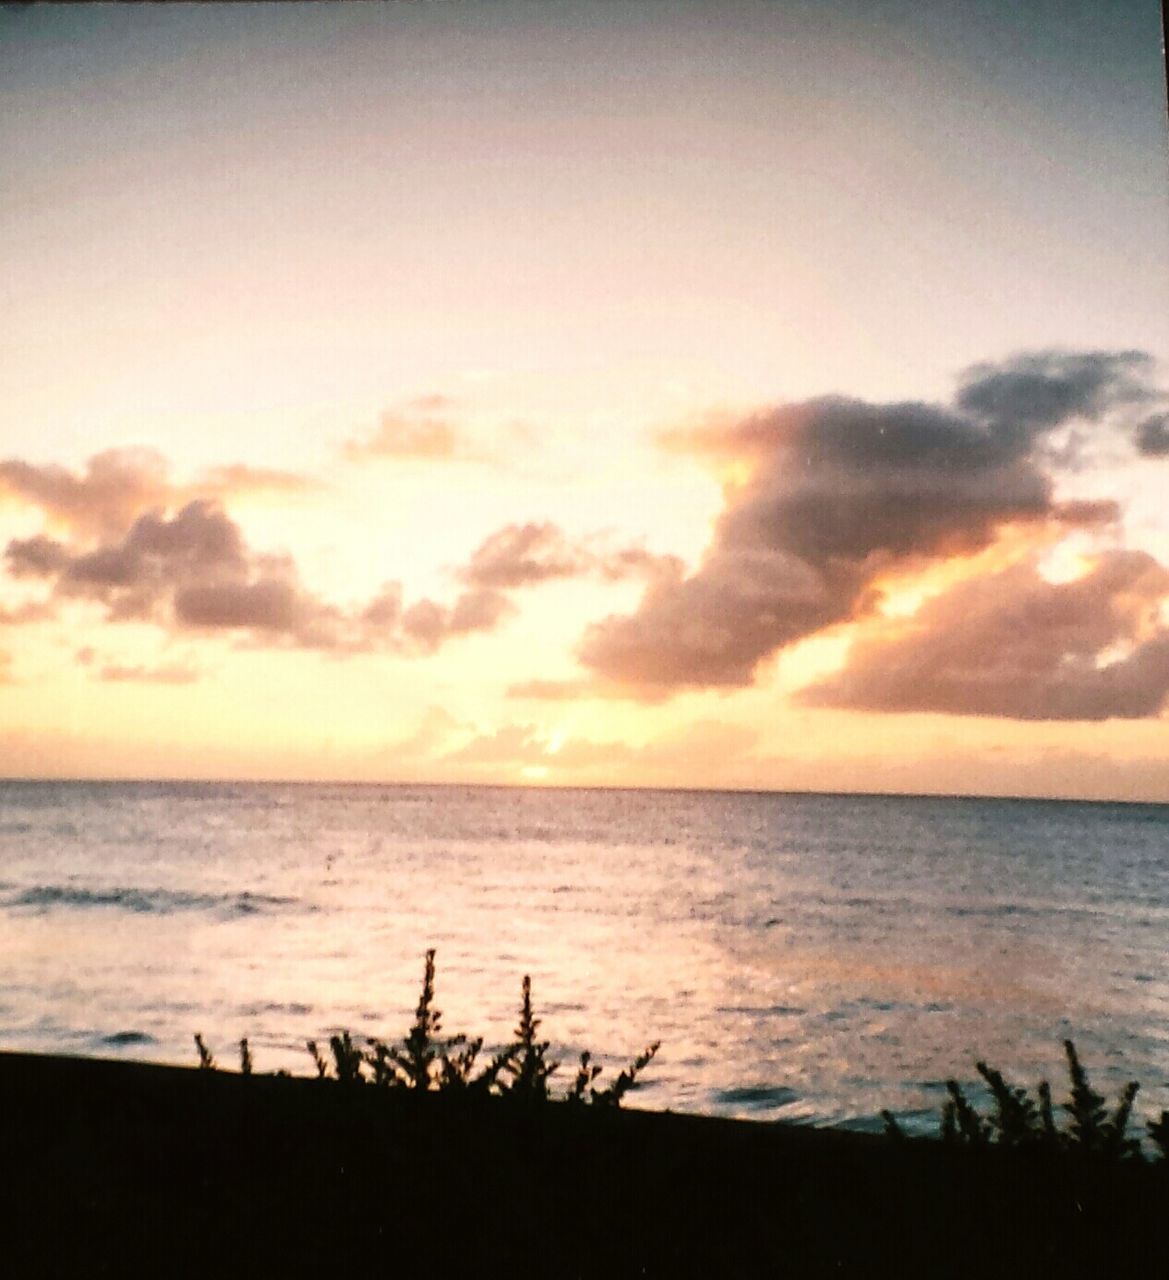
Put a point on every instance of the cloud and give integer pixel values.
(833, 493)
(423, 428)
(551, 690)
(239, 478)
(22, 614)
(167, 674)
(718, 747)
(117, 485)
(427, 625)
(1015, 645)
(195, 571)
(435, 428)
(1036, 391)
(521, 555)
(103, 499)
(1152, 436)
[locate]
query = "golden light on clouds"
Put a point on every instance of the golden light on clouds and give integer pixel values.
(429, 404)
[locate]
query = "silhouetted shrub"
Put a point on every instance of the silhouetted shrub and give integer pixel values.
(318, 1060)
(206, 1061)
(627, 1080)
(425, 1061)
(1159, 1132)
(1017, 1120)
(528, 1068)
(892, 1129)
(347, 1059)
(586, 1073)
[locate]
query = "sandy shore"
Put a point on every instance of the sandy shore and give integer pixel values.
(113, 1168)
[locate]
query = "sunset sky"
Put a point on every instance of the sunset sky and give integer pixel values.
(748, 395)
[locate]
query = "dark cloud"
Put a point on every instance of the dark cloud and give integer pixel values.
(1153, 436)
(1013, 644)
(268, 604)
(117, 485)
(520, 555)
(36, 557)
(195, 571)
(840, 491)
(1036, 391)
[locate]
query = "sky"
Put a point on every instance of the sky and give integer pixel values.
(769, 396)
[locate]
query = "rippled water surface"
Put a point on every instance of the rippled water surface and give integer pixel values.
(804, 957)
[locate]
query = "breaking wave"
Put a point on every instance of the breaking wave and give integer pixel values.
(43, 898)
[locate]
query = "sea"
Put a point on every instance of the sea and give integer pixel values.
(807, 958)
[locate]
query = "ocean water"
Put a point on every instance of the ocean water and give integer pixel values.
(800, 957)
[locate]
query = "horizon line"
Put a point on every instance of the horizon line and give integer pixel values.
(559, 786)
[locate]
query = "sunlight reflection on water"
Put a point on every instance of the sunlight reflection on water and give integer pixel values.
(809, 957)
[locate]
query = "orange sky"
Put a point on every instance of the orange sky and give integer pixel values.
(593, 396)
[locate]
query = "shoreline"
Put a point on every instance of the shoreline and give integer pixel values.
(113, 1167)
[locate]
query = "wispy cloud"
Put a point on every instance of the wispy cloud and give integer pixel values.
(525, 555)
(166, 674)
(422, 428)
(117, 485)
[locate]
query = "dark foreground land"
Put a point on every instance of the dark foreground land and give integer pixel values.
(110, 1168)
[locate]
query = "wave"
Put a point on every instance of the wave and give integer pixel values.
(122, 1039)
(43, 898)
(759, 1096)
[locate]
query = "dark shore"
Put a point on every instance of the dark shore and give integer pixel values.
(113, 1168)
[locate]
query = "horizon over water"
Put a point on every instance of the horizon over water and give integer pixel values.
(802, 956)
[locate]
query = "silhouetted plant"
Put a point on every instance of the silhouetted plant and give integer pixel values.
(892, 1129)
(949, 1132)
(206, 1061)
(347, 1059)
(378, 1057)
(415, 1062)
(1159, 1132)
(1116, 1145)
(1093, 1129)
(425, 1061)
(455, 1068)
(528, 1068)
(1085, 1106)
(489, 1077)
(318, 1060)
(611, 1097)
(966, 1125)
(1015, 1119)
(586, 1073)
(1046, 1117)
